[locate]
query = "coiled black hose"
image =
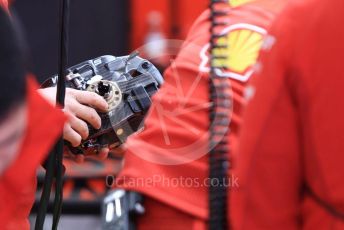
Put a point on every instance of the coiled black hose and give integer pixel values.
(219, 117)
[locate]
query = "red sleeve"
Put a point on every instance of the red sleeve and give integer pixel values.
(18, 183)
(165, 160)
(268, 160)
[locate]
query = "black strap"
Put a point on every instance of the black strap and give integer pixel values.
(326, 206)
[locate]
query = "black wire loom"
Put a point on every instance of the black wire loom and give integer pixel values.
(219, 122)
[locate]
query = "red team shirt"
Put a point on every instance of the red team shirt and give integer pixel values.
(293, 127)
(18, 182)
(168, 161)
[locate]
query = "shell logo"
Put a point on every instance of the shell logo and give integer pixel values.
(243, 43)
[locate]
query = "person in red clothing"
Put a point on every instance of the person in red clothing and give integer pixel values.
(29, 127)
(168, 161)
(290, 161)
(26, 132)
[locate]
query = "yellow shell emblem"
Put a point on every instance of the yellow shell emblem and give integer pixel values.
(242, 50)
(239, 50)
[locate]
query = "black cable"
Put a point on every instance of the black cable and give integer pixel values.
(60, 99)
(54, 166)
(48, 182)
(220, 110)
(57, 207)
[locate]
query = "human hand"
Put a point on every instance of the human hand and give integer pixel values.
(80, 107)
